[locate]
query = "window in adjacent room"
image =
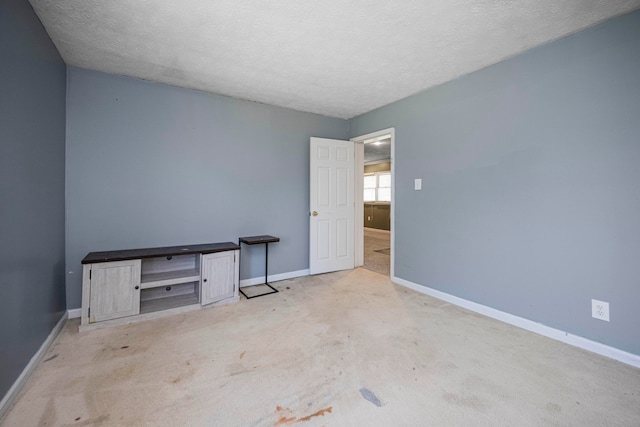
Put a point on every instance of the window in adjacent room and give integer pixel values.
(377, 187)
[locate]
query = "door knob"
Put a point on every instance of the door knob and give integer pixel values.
(314, 213)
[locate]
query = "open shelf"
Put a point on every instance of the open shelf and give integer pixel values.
(167, 303)
(168, 278)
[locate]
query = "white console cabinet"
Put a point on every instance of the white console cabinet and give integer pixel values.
(218, 277)
(114, 290)
(124, 286)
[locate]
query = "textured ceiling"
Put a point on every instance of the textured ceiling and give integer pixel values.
(332, 57)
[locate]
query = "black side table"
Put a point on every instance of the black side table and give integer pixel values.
(255, 240)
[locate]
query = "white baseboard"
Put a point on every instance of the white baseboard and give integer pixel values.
(273, 278)
(529, 325)
(74, 313)
(17, 386)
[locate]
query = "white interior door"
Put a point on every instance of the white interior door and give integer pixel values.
(331, 205)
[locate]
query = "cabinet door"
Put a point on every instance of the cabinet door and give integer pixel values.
(115, 290)
(218, 276)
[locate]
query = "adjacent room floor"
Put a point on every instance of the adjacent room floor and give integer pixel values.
(377, 250)
(347, 348)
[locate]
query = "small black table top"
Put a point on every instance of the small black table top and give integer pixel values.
(123, 255)
(254, 240)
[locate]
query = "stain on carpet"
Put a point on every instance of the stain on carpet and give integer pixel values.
(370, 396)
(467, 401)
(287, 416)
(51, 358)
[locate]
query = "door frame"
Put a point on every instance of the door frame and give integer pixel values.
(358, 198)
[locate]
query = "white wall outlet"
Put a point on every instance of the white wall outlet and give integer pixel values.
(417, 184)
(600, 310)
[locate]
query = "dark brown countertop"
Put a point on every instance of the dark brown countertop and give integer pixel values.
(207, 248)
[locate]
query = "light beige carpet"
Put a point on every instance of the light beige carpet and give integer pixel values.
(340, 349)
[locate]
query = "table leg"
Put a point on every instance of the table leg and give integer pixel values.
(266, 263)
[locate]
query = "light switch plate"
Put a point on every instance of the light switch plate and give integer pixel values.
(418, 184)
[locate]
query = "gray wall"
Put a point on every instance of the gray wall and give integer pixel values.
(155, 165)
(32, 134)
(531, 183)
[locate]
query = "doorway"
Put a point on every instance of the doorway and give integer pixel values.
(374, 201)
